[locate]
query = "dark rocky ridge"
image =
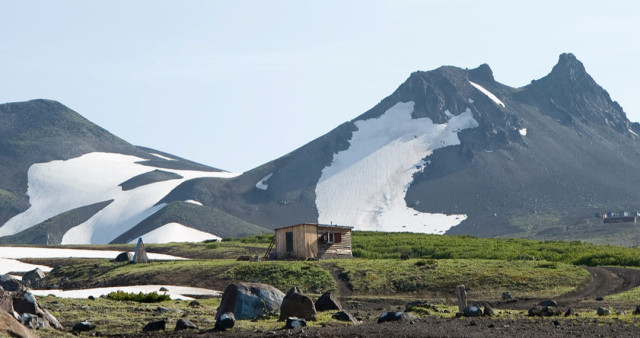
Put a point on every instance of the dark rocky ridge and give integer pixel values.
(577, 157)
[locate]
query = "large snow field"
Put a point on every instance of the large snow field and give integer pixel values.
(12, 265)
(176, 292)
(176, 232)
(58, 186)
(365, 185)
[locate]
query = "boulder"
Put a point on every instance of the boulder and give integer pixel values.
(226, 321)
(543, 311)
(140, 255)
(636, 311)
(184, 324)
(393, 316)
(328, 302)
(250, 300)
(9, 283)
(33, 278)
(535, 311)
(155, 326)
(10, 327)
(603, 311)
(296, 304)
(83, 326)
(488, 311)
(472, 311)
(124, 257)
(344, 316)
(295, 323)
(548, 302)
(569, 312)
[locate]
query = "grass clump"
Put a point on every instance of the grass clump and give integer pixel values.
(152, 297)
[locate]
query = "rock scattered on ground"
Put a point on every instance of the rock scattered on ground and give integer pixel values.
(392, 316)
(603, 311)
(250, 300)
(83, 327)
(296, 304)
(225, 321)
(344, 316)
(184, 324)
(327, 302)
(295, 323)
(155, 326)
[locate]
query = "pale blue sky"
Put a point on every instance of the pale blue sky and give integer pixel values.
(234, 84)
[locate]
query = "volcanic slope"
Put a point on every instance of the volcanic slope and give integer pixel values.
(66, 180)
(453, 151)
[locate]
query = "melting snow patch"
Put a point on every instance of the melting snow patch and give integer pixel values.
(523, 131)
(448, 113)
(365, 185)
(163, 157)
(488, 93)
(58, 186)
(194, 202)
(12, 265)
(632, 132)
(17, 252)
(262, 185)
(176, 292)
(176, 232)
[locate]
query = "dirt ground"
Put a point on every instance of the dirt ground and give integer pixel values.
(604, 281)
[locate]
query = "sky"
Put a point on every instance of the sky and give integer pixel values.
(235, 84)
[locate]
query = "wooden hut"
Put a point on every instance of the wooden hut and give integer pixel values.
(313, 241)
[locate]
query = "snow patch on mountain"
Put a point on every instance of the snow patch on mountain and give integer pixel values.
(194, 202)
(176, 232)
(58, 186)
(488, 93)
(523, 131)
(262, 184)
(163, 157)
(365, 185)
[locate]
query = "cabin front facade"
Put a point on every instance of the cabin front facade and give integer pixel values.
(313, 241)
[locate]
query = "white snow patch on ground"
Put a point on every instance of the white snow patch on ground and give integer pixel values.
(163, 157)
(58, 186)
(365, 185)
(12, 265)
(175, 232)
(17, 252)
(523, 131)
(448, 114)
(632, 132)
(194, 202)
(488, 93)
(470, 100)
(262, 185)
(176, 292)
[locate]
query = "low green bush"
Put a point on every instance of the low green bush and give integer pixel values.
(140, 297)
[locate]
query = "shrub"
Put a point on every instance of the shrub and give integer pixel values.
(140, 297)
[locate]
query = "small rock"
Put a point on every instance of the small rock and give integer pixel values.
(569, 312)
(488, 311)
(492, 325)
(295, 322)
(603, 311)
(164, 289)
(599, 299)
(194, 303)
(472, 311)
(226, 321)
(548, 302)
(473, 323)
(91, 298)
(392, 316)
(506, 295)
(622, 313)
(636, 311)
(155, 326)
(328, 301)
(83, 326)
(556, 322)
(343, 316)
(184, 324)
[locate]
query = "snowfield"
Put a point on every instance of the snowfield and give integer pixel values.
(176, 292)
(488, 93)
(58, 186)
(176, 232)
(366, 184)
(262, 184)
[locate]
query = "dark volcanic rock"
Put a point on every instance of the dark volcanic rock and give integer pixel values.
(296, 304)
(295, 323)
(603, 311)
(328, 301)
(250, 300)
(393, 316)
(225, 321)
(83, 326)
(124, 257)
(548, 302)
(184, 324)
(155, 326)
(344, 316)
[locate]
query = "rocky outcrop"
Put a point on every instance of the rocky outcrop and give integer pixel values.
(33, 277)
(327, 302)
(250, 300)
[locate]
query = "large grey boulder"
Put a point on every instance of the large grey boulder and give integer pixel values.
(250, 300)
(33, 278)
(296, 304)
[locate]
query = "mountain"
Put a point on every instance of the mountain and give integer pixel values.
(65, 180)
(453, 151)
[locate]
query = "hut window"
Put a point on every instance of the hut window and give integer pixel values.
(289, 241)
